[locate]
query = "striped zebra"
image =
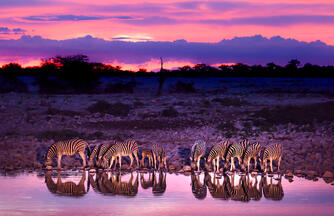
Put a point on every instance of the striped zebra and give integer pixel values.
(216, 152)
(66, 188)
(272, 191)
(116, 186)
(102, 150)
(93, 155)
(236, 150)
(126, 148)
(146, 153)
(252, 152)
(67, 147)
(272, 152)
(197, 151)
(199, 189)
(159, 156)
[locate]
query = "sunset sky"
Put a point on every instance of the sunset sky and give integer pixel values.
(204, 22)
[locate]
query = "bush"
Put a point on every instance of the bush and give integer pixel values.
(182, 87)
(120, 87)
(230, 101)
(116, 109)
(170, 112)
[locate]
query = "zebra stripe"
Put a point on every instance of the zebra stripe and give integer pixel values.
(272, 152)
(216, 152)
(236, 150)
(197, 151)
(199, 189)
(252, 152)
(67, 147)
(102, 150)
(126, 148)
(272, 191)
(93, 155)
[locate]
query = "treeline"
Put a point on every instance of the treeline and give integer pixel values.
(79, 67)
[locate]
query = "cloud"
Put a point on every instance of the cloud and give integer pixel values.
(274, 20)
(23, 3)
(70, 17)
(249, 50)
(8, 31)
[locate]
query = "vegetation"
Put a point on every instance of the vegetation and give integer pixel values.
(58, 135)
(228, 101)
(116, 109)
(171, 112)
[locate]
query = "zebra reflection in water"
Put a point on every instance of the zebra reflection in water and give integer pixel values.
(159, 183)
(216, 189)
(68, 188)
(199, 189)
(145, 184)
(272, 191)
(112, 184)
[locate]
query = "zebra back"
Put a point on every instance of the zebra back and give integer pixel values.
(273, 151)
(236, 150)
(218, 150)
(252, 150)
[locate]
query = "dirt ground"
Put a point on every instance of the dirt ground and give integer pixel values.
(302, 122)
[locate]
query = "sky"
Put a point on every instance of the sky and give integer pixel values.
(167, 26)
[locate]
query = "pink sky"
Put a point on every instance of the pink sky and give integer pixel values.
(194, 21)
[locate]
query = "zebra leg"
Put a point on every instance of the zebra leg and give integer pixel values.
(232, 163)
(271, 165)
(218, 165)
(83, 156)
(198, 160)
(248, 164)
(279, 162)
(214, 165)
(155, 161)
(131, 160)
(136, 156)
(59, 161)
(111, 162)
(120, 162)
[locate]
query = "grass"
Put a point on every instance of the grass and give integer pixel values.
(116, 109)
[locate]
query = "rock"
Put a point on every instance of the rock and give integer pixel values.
(289, 175)
(298, 172)
(187, 169)
(311, 174)
(171, 167)
(328, 174)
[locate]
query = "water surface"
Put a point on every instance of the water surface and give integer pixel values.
(79, 193)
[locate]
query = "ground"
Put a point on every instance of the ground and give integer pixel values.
(303, 122)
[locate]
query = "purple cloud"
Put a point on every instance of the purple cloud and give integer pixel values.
(8, 31)
(249, 50)
(70, 17)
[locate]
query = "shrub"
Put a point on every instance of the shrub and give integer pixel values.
(116, 109)
(170, 112)
(182, 87)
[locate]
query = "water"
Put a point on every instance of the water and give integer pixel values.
(162, 194)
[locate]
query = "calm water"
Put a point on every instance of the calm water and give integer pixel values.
(79, 193)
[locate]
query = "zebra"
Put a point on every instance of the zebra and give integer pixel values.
(67, 147)
(236, 150)
(66, 188)
(216, 152)
(272, 152)
(199, 189)
(93, 155)
(159, 155)
(272, 191)
(102, 150)
(146, 153)
(197, 151)
(116, 186)
(126, 148)
(252, 152)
